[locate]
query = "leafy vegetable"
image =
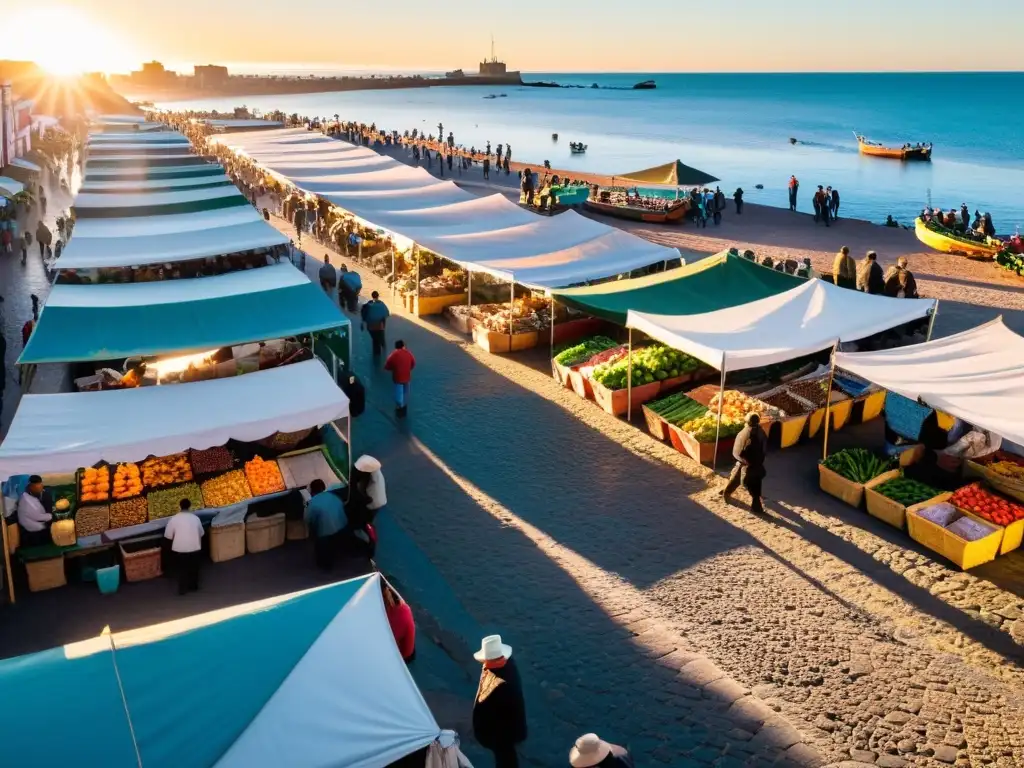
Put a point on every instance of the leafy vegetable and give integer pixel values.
(857, 464)
(583, 351)
(906, 491)
(650, 364)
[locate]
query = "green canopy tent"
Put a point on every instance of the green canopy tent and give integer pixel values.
(674, 174)
(716, 282)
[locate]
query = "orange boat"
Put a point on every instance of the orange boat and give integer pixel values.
(673, 212)
(906, 152)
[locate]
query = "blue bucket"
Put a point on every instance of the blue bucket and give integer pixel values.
(108, 579)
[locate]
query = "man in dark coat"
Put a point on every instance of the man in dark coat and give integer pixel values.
(870, 278)
(749, 451)
(900, 280)
(499, 711)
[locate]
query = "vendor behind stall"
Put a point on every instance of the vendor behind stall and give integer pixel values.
(35, 514)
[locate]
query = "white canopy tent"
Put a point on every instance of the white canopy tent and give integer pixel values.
(807, 319)
(141, 250)
(507, 242)
(137, 199)
(977, 376)
(139, 226)
(128, 186)
(62, 432)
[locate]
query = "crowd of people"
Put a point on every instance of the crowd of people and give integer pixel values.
(867, 275)
(960, 222)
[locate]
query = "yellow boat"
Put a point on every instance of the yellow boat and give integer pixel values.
(947, 244)
(906, 152)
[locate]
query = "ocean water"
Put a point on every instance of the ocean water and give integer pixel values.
(737, 127)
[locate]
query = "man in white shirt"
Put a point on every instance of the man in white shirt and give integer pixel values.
(185, 532)
(35, 513)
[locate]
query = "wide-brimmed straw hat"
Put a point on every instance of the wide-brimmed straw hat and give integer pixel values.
(492, 648)
(367, 463)
(589, 751)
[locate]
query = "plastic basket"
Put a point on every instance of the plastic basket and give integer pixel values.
(142, 558)
(843, 489)
(108, 579)
(227, 542)
(45, 574)
(264, 533)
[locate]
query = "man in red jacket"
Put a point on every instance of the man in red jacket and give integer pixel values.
(400, 363)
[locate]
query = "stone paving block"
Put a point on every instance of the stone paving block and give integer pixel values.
(725, 690)
(750, 713)
(777, 734)
(800, 756)
(700, 672)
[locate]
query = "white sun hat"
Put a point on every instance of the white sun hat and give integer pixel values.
(367, 463)
(492, 648)
(589, 751)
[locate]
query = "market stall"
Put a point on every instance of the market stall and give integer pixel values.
(305, 679)
(809, 318)
(121, 186)
(116, 205)
(112, 453)
(976, 377)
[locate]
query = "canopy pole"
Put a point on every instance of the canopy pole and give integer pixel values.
(469, 297)
(552, 326)
(721, 404)
(511, 310)
(629, 379)
(7, 559)
(931, 321)
(394, 277)
(828, 400)
(416, 256)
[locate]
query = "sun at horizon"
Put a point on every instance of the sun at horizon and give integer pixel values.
(65, 42)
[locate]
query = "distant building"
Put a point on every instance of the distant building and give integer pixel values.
(211, 76)
(493, 68)
(455, 74)
(153, 75)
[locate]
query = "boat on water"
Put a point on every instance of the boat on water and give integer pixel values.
(646, 85)
(906, 152)
(673, 212)
(948, 241)
(577, 148)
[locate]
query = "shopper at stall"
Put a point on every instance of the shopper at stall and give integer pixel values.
(328, 276)
(375, 314)
(35, 514)
(369, 480)
(400, 363)
(349, 285)
(403, 627)
(499, 710)
(185, 532)
(749, 451)
(326, 520)
(590, 751)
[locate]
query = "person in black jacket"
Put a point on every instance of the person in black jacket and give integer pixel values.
(870, 278)
(749, 451)
(499, 710)
(593, 752)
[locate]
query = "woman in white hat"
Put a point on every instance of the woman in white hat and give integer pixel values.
(499, 710)
(366, 497)
(590, 751)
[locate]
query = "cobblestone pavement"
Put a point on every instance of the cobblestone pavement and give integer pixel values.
(644, 608)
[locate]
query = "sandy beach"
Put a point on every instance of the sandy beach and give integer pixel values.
(970, 292)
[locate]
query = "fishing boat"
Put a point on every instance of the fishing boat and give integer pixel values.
(906, 152)
(673, 213)
(950, 242)
(577, 148)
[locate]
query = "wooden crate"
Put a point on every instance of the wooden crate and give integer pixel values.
(703, 453)
(227, 542)
(581, 385)
(45, 574)
(421, 306)
(616, 401)
(571, 330)
(142, 558)
(263, 533)
(843, 489)
(460, 323)
(561, 374)
(656, 425)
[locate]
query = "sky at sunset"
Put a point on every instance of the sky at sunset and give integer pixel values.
(531, 35)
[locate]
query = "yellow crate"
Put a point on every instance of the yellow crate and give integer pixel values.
(882, 507)
(843, 489)
(814, 422)
(873, 405)
(436, 305)
(792, 429)
(1013, 535)
(841, 413)
(969, 554)
(925, 531)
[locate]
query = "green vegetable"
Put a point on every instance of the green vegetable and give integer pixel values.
(583, 351)
(857, 464)
(906, 491)
(653, 363)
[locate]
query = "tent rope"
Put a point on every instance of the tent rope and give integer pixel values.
(124, 701)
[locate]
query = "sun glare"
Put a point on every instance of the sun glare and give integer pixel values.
(64, 41)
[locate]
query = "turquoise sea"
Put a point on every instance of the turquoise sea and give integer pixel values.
(737, 127)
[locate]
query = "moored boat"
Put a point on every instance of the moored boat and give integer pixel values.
(674, 212)
(949, 242)
(906, 152)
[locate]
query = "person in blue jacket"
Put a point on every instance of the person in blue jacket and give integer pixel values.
(350, 285)
(375, 314)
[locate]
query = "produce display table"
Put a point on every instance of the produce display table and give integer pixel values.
(421, 306)
(499, 343)
(886, 509)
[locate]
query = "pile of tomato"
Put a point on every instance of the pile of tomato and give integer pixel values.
(977, 500)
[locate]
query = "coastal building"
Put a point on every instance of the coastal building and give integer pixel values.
(153, 75)
(493, 68)
(15, 125)
(210, 76)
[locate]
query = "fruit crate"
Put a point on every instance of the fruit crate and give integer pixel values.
(656, 425)
(581, 384)
(616, 401)
(834, 484)
(561, 374)
(1011, 535)
(500, 343)
(421, 306)
(704, 453)
(227, 541)
(884, 508)
(965, 554)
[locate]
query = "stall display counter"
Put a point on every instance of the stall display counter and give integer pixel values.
(965, 554)
(422, 306)
(497, 342)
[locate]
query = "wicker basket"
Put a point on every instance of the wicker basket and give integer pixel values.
(227, 542)
(263, 533)
(142, 558)
(296, 530)
(62, 533)
(45, 574)
(843, 489)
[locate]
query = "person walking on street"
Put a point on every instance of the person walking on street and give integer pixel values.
(185, 532)
(844, 269)
(23, 246)
(328, 276)
(350, 284)
(737, 196)
(400, 363)
(499, 709)
(794, 187)
(326, 519)
(869, 275)
(749, 451)
(375, 314)
(300, 222)
(590, 751)
(487, 168)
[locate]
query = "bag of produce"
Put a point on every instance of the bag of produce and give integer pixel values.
(941, 514)
(969, 529)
